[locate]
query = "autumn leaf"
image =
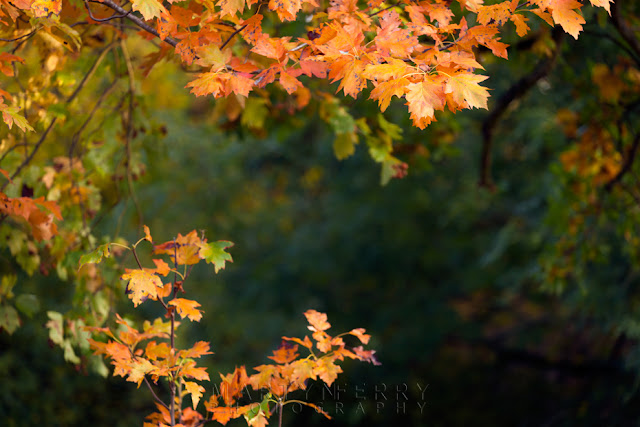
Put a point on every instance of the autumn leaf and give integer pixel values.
(231, 7)
(317, 321)
(564, 13)
(199, 349)
(142, 285)
(327, 370)
(214, 253)
(464, 87)
(11, 115)
(360, 333)
(306, 343)
(285, 353)
(195, 390)
(148, 8)
(147, 234)
(46, 8)
(187, 308)
(424, 98)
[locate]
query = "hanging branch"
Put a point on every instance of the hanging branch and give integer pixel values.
(515, 92)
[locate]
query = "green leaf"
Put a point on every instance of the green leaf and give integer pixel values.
(255, 113)
(215, 254)
(56, 327)
(11, 115)
(28, 304)
(344, 145)
(95, 256)
(9, 320)
(6, 286)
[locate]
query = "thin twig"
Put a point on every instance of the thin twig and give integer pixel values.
(114, 16)
(75, 93)
(231, 36)
(133, 18)
(129, 130)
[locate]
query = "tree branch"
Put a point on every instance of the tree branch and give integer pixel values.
(626, 167)
(516, 91)
(138, 21)
(624, 29)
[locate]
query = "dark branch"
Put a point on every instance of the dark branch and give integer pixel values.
(515, 92)
(138, 21)
(626, 167)
(624, 29)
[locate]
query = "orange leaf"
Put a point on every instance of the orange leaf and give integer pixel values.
(360, 333)
(563, 13)
(289, 83)
(285, 353)
(317, 320)
(231, 7)
(199, 349)
(306, 343)
(187, 308)
(327, 370)
(423, 99)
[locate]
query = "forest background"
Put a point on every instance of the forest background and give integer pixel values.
(493, 256)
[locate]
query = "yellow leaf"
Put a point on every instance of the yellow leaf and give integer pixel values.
(464, 87)
(142, 285)
(195, 390)
(149, 8)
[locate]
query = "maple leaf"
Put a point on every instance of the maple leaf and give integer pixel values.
(147, 234)
(360, 333)
(286, 9)
(317, 321)
(190, 370)
(153, 351)
(214, 253)
(137, 369)
(46, 8)
(231, 7)
(606, 4)
(224, 414)
(423, 99)
(11, 115)
(391, 40)
(289, 83)
(366, 355)
(464, 87)
(149, 8)
(327, 370)
(187, 308)
(302, 370)
(162, 268)
(285, 353)
(520, 22)
(233, 384)
(496, 13)
(207, 84)
(142, 285)
(195, 390)
(563, 13)
(306, 343)
(199, 349)
(385, 91)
